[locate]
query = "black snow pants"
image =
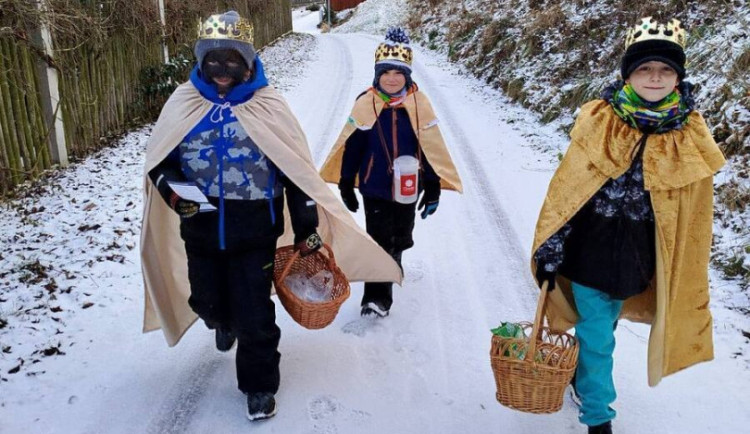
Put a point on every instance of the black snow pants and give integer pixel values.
(231, 288)
(391, 225)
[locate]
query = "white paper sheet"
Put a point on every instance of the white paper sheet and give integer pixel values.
(189, 191)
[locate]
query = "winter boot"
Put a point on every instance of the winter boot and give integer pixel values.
(225, 339)
(260, 405)
(373, 308)
(605, 428)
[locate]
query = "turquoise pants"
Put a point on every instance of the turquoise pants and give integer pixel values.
(596, 337)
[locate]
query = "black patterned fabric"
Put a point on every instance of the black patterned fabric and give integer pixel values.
(609, 243)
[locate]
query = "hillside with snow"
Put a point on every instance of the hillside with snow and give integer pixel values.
(552, 56)
(73, 358)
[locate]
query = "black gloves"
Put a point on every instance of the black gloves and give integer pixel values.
(309, 244)
(346, 187)
(184, 208)
(545, 276)
(430, 198)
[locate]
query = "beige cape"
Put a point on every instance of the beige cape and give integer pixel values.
(270, 123)
(366, 110)
(678, 169)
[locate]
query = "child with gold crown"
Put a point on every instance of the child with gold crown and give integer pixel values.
(230, 135)
(626, 227)
(392, 149)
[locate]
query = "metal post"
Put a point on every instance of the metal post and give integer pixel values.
(328, 9)
(162, 16)
(50, 92)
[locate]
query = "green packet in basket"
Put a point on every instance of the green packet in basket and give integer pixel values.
(509, 330)
(514, 331)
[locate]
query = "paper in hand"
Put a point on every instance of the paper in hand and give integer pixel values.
(189, 191)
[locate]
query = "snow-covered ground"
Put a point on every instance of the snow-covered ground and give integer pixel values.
(71, 292)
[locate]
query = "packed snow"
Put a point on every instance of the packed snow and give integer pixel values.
(73, 358)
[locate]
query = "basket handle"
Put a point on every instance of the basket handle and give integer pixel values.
(296, 255)
(538, 320)
(331, 259)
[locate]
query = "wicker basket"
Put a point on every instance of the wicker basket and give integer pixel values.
(309, 314)
(535, 383)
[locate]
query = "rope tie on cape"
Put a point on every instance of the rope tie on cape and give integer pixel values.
(219, 109)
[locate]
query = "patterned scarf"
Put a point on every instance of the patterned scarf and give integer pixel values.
(671, 113)
(393, 100)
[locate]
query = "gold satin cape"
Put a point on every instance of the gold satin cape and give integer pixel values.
(270, 123)
(678, 168)
(423, 120)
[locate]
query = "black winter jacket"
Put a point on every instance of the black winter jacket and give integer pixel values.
(370, 155)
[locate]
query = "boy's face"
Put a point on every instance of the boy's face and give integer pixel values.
(392, 81)
(653, 80)
(226, 68)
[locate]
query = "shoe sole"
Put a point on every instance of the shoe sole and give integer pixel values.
(372, 308)
(261, 416)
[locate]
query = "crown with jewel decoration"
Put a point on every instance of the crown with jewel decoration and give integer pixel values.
(395, 49)
(649, 29)
(217, 27)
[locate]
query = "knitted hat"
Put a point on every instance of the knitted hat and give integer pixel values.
(395, 50)
(227, 31)
(394, 53)
(649, 40)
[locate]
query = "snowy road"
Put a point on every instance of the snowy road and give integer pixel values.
(424, 369)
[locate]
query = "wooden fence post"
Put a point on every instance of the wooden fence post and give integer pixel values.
(50, 92)
(163, 19)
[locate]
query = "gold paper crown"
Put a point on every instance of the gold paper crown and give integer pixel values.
(396, 52)
(215, 27)
(649, 29)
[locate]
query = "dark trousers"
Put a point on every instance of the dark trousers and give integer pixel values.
(391, 225)
(232, 289)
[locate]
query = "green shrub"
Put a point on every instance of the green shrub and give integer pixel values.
(156, 83)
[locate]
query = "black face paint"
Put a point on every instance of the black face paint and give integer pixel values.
(224, 64)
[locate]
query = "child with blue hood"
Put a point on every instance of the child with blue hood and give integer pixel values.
(230, 134)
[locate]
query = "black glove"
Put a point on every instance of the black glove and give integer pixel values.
(430, 198)
(545, 276)
(185, 208)
(346, 187)
(309, 244)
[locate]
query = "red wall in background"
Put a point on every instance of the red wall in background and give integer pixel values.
(339, 5)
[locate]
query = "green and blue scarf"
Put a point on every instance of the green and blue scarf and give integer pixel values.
(670, 113)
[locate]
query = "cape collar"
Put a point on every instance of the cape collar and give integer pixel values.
(671, 160)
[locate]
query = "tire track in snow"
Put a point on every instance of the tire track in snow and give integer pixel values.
(181, 403)
(342, 81)
(488, 303)
(503, 230)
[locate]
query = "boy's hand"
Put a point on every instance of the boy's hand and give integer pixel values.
(430, 198)
(346, 187)
(308, 245)
(429, 207)
(545, 276)
(184, 208)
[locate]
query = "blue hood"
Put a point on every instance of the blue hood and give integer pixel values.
(239, 94)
